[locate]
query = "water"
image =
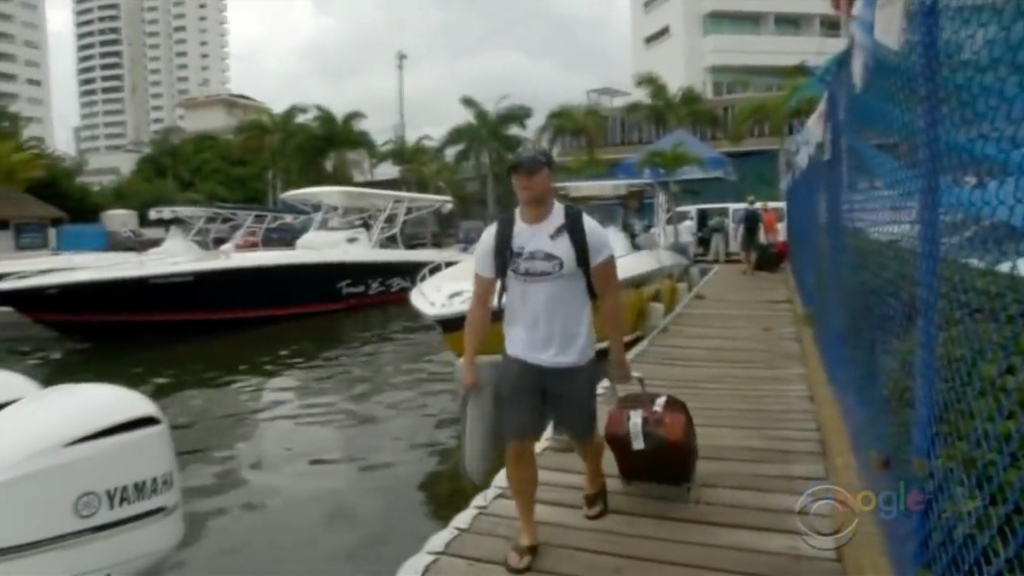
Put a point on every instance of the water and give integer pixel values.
(323, 446)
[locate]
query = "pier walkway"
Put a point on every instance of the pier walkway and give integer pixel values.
(735, 353)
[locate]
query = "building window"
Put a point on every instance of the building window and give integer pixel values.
(831, 27)
(650, 5)
(787, 26)
(735, 25)
(652, 39)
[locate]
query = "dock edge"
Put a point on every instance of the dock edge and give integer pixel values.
(866, 554)
(418, 564)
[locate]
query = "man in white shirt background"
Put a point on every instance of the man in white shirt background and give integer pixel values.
(548, 372)
(686, 233)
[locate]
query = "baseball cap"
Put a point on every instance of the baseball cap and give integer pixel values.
(751, 200)
(531, 160)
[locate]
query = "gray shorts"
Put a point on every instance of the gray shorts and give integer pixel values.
(531, 396)
(748, 243)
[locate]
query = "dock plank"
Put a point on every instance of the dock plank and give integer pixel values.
(736, 358)
(730, 561)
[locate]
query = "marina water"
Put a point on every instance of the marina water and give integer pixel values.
(319, 446)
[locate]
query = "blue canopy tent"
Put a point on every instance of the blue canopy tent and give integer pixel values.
(713, 164)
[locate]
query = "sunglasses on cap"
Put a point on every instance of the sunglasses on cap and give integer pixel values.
(530, 164)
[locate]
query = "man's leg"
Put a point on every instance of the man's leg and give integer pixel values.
(525, 416)
(748, 245)
(573, 406)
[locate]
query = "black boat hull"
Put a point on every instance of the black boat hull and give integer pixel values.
(174, 305)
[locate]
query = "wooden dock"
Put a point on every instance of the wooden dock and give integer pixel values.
(734, 353)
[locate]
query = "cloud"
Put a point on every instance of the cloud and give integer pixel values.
(341, 53)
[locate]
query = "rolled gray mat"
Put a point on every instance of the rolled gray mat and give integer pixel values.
(480, 434)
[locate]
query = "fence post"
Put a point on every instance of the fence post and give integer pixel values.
(930, 165)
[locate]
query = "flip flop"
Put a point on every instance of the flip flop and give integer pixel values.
(526, 554)
(596, 501)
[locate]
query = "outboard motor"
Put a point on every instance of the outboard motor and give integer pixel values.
(89, 481)
(14, 387)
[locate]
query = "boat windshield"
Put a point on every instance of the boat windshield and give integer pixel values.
(346, 220)
(606, 214)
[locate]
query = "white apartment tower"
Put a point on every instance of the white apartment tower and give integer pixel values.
(24, 66)
(137, 59)
(186, 55)
(730, 47)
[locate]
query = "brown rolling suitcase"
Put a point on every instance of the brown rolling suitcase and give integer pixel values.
(653, 438)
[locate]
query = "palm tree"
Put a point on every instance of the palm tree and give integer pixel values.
(581, 122)
(668, 109)
(339, 139)
(588, 166)
(486, 140)
(669, 161)
(273, 137)
(407, 155)
(19, 167)
(777, 112)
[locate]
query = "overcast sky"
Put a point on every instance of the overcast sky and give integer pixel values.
(340, 53)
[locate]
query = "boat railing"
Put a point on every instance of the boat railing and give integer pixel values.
(429, 271)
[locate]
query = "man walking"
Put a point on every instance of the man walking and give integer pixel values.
(749, 234)
(548, 372)
(686, 234)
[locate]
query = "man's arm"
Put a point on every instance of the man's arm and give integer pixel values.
(605, 277)
(478, 317)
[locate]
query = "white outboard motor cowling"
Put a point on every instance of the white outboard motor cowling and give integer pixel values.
(89, 483)
(14, 387)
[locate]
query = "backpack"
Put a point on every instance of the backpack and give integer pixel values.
(751, 221)
(577, 237)
(717, 224)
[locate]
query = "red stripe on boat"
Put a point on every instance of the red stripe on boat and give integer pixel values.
(217, 315)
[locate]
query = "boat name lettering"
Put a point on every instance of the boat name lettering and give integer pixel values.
(138, 491)
(171, 279)
(374, 286)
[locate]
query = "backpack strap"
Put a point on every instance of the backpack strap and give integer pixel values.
(503, 251)
(577, 233)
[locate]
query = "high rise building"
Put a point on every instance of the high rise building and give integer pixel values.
(24, 66)
(137, 59)
(731, 47)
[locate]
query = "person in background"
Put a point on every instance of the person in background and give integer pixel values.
(686, 235)
(749, 233)
(719, 229)
(771, 224)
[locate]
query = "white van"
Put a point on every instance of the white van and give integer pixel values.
(704, 213)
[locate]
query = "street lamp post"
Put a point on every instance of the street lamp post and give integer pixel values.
(400, 58)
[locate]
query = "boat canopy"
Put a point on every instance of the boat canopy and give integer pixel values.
(350, 197)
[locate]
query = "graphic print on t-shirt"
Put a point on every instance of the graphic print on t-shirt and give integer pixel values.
(535, 265)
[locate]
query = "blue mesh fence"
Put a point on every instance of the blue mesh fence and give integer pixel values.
(908, 251)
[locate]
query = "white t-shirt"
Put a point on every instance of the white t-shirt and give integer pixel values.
(548, 320)
(687, 231)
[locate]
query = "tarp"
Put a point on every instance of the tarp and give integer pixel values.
(714, 164)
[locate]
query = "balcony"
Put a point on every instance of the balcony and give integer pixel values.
(625, 136)
(770, 51)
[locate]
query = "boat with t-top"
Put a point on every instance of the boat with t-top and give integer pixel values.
(350, 257)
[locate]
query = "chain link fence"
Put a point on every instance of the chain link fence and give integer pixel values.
(907, 244)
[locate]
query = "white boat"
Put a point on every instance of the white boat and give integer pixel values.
(207, 226)
(650, 279)
(89, 477)
(350, 257)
